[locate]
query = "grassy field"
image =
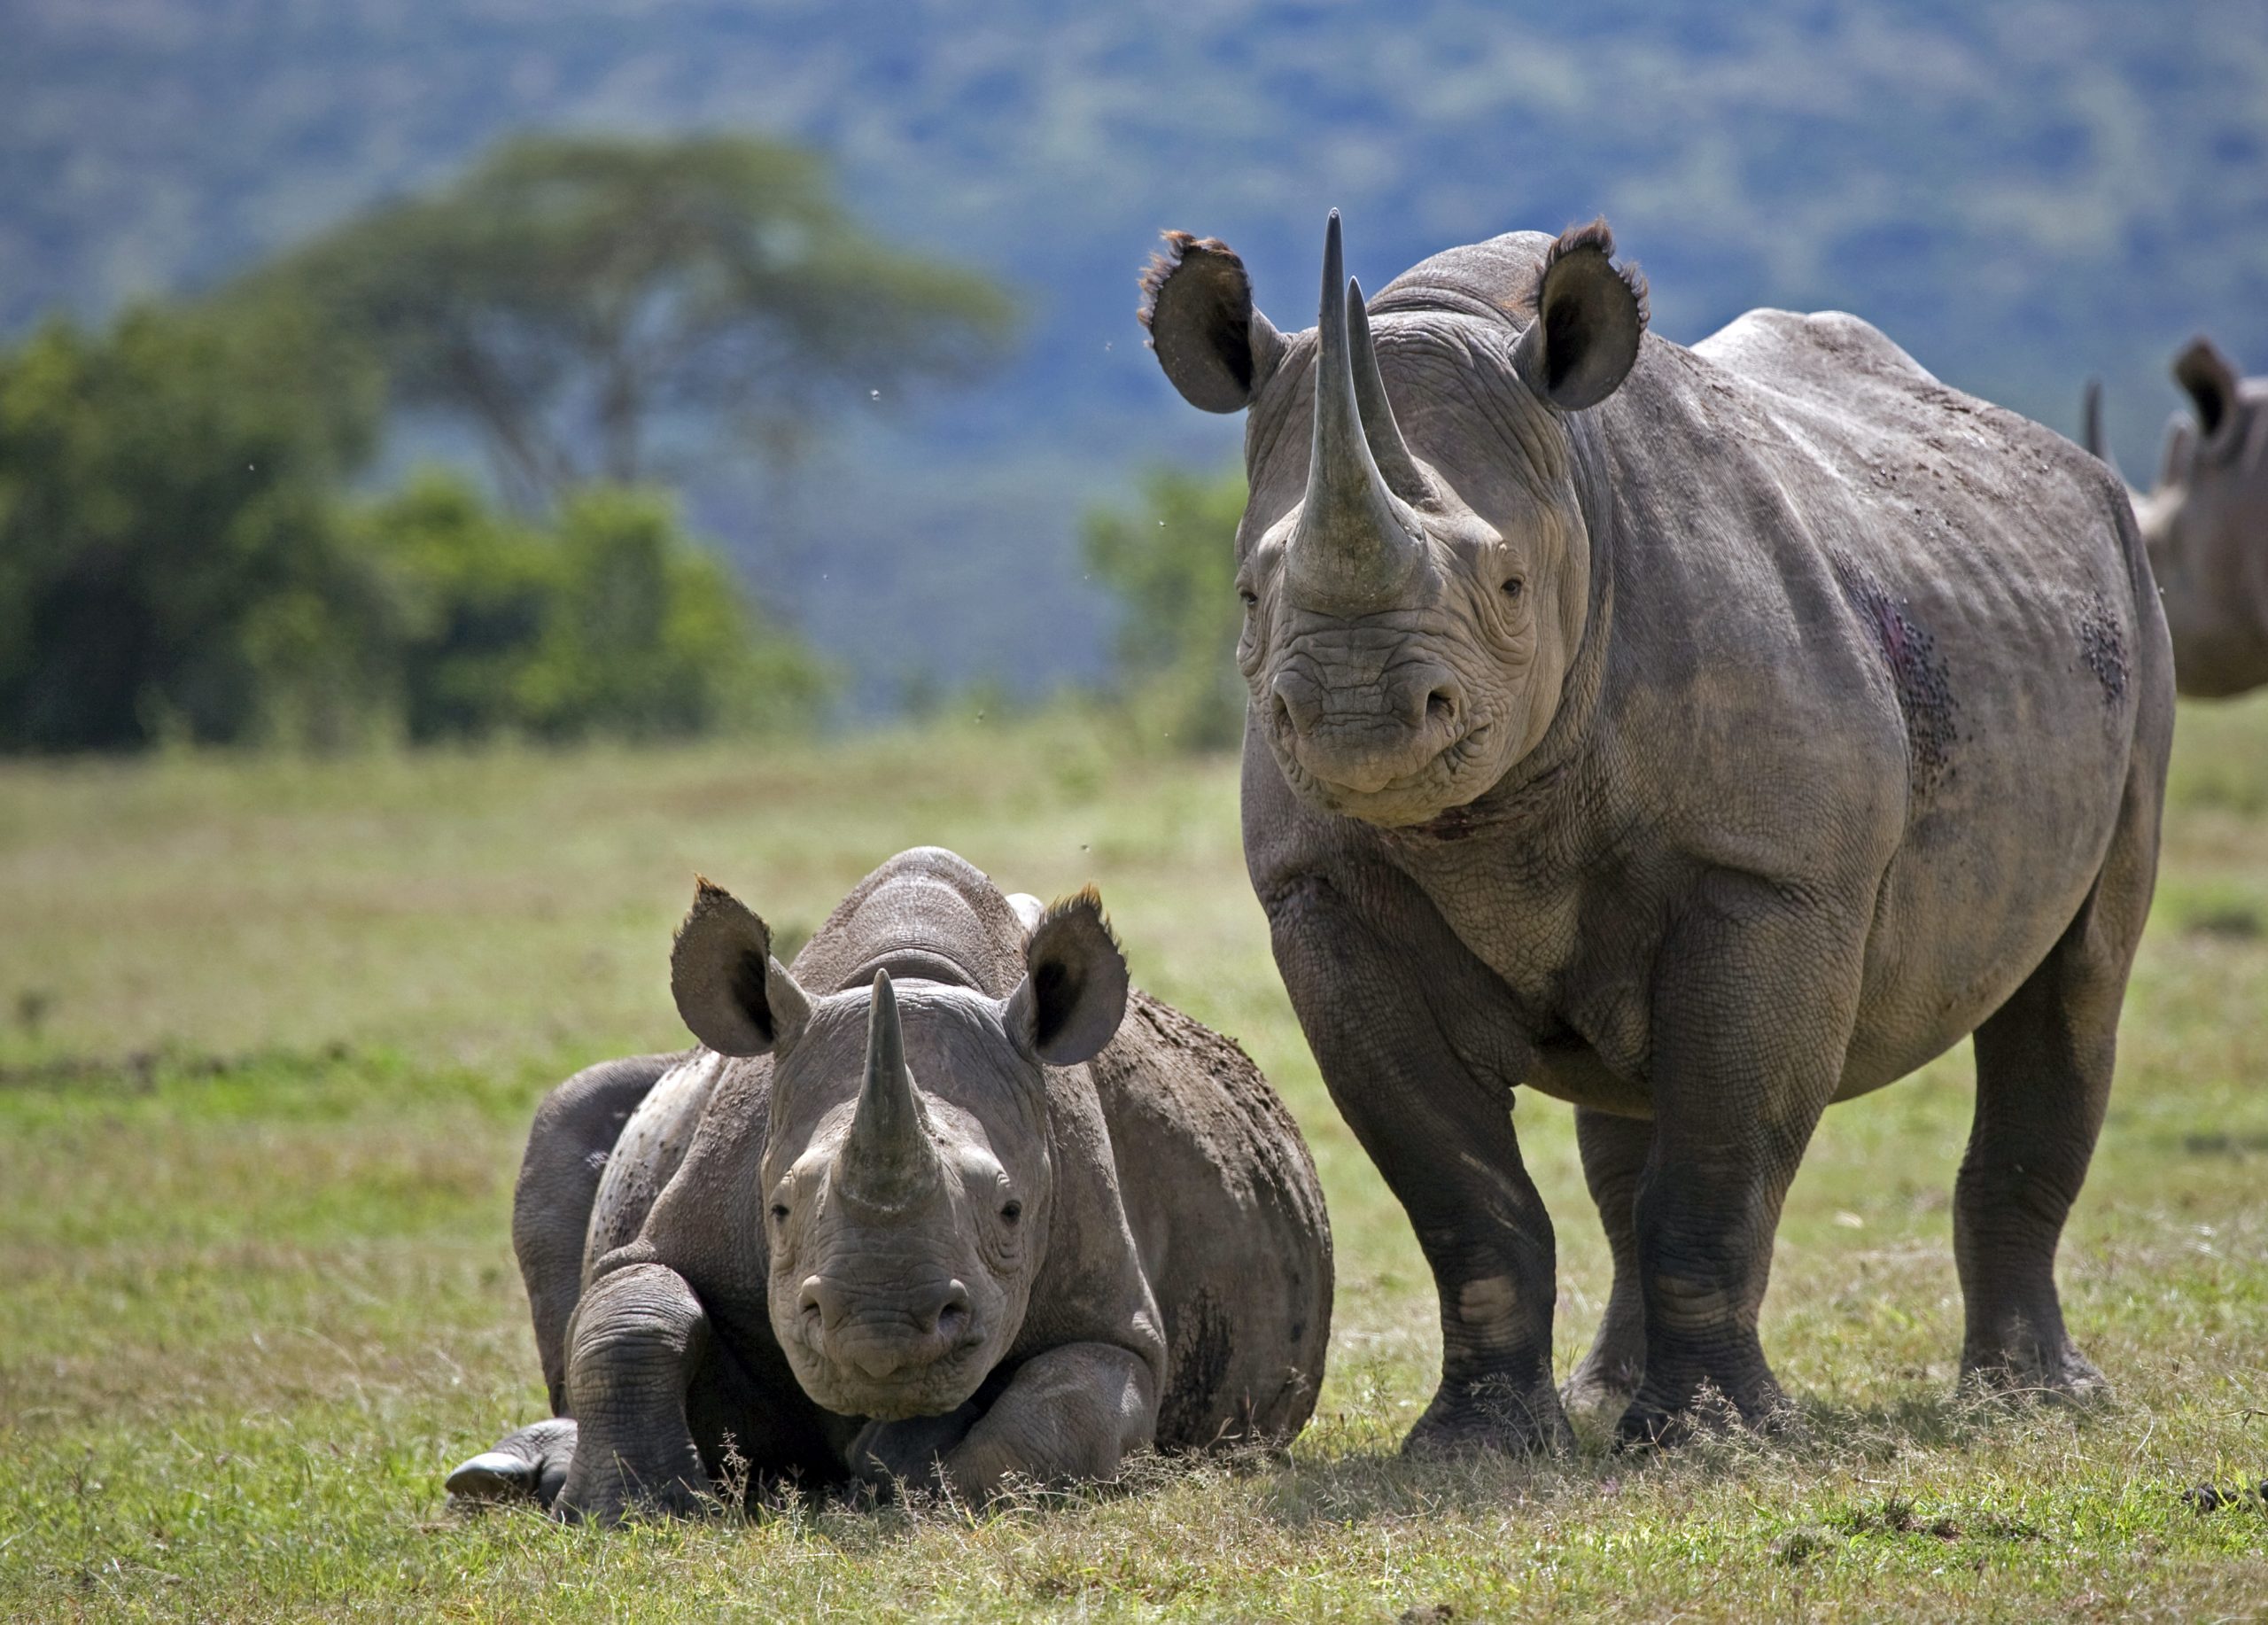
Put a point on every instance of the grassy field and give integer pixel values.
(271, 1033)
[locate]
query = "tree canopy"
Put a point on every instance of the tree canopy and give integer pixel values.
(170, 561)
(598, 307)
(179, 559)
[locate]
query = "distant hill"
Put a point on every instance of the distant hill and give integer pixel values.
(2019, 194)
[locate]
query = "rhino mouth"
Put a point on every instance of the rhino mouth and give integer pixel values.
(942, 1385)
(1444, 779)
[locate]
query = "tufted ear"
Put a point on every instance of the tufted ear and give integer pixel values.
(1197, 303)
(2204, 371)
(1590, 314)
(735, 997)
(1073, 993)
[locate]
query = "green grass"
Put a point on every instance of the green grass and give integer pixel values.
(270, 1031)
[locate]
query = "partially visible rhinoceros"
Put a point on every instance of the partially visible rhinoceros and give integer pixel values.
(2206, 523)
(1698, 736)
(944, 1204)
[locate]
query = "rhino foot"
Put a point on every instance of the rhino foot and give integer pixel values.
(2063, 1375)
(1601, 1387)
(1491, 1414)
(909, 1455)
(1760, 1407)
(529, 1465)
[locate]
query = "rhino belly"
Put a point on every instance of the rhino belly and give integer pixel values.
(1962, 918)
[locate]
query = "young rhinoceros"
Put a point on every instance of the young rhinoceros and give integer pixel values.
(2205, 523)
(945, 1203)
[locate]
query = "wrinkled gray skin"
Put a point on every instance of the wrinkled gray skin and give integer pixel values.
(1697, 736)
(2206, 523)
(943, 1204)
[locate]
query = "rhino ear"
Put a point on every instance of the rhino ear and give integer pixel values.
(735, 997)
(1197, 303)
(1073, 993)
(1589, 314)
(2204, 371)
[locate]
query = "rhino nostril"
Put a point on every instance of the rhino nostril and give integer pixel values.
(1441, 706)
(1296, 707)
(952, 1313)
(814, 1303)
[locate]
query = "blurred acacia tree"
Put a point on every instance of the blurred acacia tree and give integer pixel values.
(1171, 559)
(582, 300)
(171, 564)
(177, 560)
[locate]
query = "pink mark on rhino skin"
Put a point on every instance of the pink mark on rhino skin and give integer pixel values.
(1917, 674)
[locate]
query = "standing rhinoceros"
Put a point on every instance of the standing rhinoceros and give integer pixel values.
(2206, 524)
(1699, 737)
(945, 1203)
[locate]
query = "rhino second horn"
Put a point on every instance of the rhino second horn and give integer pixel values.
(2091, 435)
(1355, 550)
(1383, 434)
(888, 1157)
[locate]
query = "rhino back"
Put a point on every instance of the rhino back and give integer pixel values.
(927, 913)
(1228, 1217)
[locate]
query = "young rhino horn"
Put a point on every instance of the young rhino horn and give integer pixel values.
(888, 1158)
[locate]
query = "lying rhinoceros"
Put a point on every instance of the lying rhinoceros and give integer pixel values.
(2206, 523)
(1698, 736)
(944, 1204)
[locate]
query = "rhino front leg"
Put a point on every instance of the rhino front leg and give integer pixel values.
(638, 1338)
(1753, 1004)
(1614, 1161)
(1071, 1415)
(1377, 1011)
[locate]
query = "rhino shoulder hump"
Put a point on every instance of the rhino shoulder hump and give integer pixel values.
(1757, 340)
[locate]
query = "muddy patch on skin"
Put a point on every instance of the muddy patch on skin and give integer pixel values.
(1197, 1364)
(1917, 672)
(2103, 649)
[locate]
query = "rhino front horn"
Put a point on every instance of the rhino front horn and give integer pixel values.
(1356, 548)
(888, 1156)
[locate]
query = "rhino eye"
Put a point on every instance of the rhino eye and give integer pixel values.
(1513, 588)
(1250, 599)
(779, 1212)
(1012, 1210)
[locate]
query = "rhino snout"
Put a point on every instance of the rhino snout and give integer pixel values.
(1365, 740)
(885, 1335)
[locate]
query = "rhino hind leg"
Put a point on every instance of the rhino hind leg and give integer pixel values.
(1614, 1151)
(2044, 1064)
(528, 1466)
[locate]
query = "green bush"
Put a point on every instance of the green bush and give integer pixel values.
(612, 621)
(175, 562)
(1171, 559)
